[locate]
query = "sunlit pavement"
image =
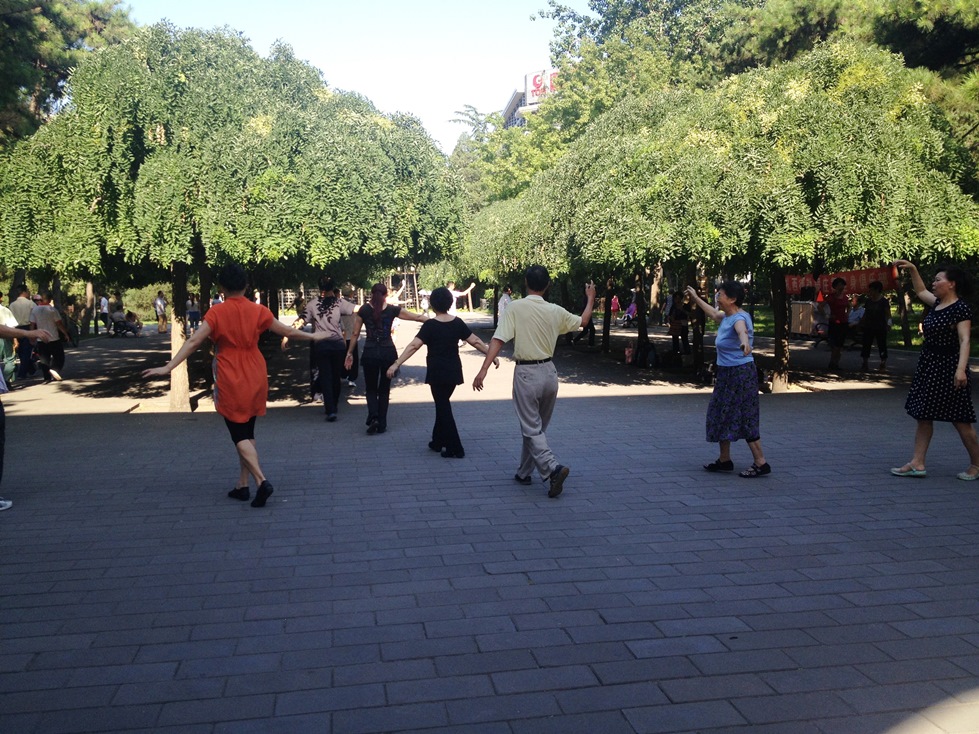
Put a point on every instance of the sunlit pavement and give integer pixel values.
(385, 588)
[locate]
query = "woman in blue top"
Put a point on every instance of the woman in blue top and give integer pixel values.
(733, 410)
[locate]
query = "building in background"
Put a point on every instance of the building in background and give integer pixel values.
(536, 86)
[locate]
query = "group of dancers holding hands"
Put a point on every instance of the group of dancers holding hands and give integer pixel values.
(940, 390)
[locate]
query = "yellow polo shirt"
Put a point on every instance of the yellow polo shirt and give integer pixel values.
(534, 325)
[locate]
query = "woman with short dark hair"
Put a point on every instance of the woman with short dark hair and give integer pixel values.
(241, 381)
(733, 412)
(442, 335)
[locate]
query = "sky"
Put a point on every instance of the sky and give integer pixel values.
(428, 58)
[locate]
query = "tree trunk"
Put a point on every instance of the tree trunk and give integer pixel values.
(904, 308)
(270, 297)
(56, 292)
(205, 281)
(20, 277)
(179, 378)
(656, 288)
(780, 308)
(698, 323)
(89, 313)
(642, 337)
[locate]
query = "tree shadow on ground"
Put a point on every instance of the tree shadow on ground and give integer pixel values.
(104, 367)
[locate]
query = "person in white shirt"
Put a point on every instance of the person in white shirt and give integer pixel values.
(50, 353)
(104, 312)
(160, 306)
(456, 295)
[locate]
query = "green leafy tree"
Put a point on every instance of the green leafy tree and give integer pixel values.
(837, 158)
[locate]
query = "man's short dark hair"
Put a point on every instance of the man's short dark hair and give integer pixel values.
(232, 277)
(838, 281)
(537, 278)
(22, 289)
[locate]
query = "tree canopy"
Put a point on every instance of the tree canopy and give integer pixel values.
(184, 145)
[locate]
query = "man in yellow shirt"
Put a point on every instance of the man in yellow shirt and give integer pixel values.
(534, 325)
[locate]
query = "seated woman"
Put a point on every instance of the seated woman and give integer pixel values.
(121, 323)
(629, 317)
(133, 323)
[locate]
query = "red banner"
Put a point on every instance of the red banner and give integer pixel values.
(857, 281)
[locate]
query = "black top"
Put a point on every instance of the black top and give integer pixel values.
(378, 342)
(876, 313)
(442, 339)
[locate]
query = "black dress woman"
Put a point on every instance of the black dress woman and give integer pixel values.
(941, 388)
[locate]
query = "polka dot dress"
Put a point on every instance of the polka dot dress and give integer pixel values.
(933, 395)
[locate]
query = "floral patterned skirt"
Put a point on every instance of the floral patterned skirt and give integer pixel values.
(733, 410)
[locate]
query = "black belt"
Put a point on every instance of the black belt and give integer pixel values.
(533, 361)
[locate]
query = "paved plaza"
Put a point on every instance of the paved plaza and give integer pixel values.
(386, 589)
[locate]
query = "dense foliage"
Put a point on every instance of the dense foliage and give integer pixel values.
(186, 146)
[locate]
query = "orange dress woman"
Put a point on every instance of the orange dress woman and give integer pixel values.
(241, 383)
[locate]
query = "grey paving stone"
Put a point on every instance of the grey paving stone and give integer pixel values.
(898, 696)
(322, 700)
(682, 717)
(610, 698)
(202, 711)
(792, 707)
(712, 688)
(610, 722)
(122, 719)
(380, 719)
(488, 662)
(543, 679)
(501, 707)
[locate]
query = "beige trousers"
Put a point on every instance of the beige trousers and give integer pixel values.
(534, 396)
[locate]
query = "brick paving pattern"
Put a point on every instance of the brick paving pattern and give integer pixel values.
(386, 589)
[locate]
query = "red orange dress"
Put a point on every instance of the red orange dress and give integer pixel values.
(241, 380)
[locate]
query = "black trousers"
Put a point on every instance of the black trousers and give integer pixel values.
(869, 336)
(329, 363)
(588, 331)
(54, 354)
(378, 388)
(445, 433)
(684, 337)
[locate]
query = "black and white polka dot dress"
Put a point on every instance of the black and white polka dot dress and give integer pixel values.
(933, 394)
